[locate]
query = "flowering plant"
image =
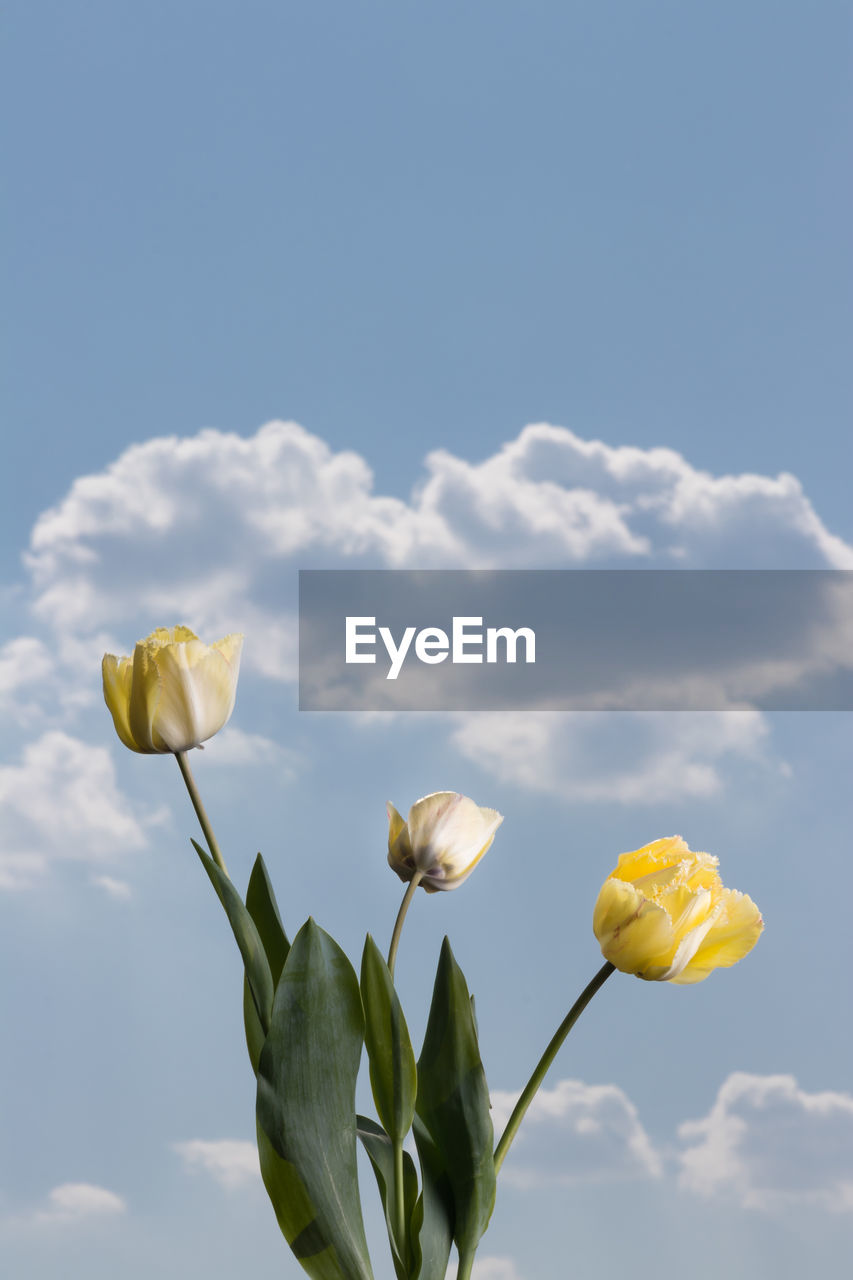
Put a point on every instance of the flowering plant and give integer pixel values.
(663, 915)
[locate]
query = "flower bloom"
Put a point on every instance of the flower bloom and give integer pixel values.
(663, 914)
(444, 838)
(175, 692)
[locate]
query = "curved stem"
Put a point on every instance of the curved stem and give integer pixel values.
(204, 821)
(547, 1058)
(401, 915)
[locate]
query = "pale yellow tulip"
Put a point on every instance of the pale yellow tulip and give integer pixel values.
(175, 692)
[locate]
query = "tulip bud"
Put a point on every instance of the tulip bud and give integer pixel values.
(174, 693)
(664, 915)
(444, 838)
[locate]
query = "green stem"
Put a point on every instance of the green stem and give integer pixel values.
(204, 821)
(463, 1271)
(398, 1197)
(545, 1061)
(401, 915)
(399, 1188)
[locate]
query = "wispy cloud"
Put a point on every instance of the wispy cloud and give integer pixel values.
(118, 889)
(234, 748)
(69, 1204)
(229, 1161)
(496, 1269)
(638, 758)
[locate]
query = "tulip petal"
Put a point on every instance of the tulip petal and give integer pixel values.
(690, 926)
(635, 935)
(734, 933)
(117, 675)
(395, 824)
(198, 687)
(651, 858)
(431, 824)
(144, 697)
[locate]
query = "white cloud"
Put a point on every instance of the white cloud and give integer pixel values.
(495, 1269)
(69, 1204)
(119, 889)
(613, 757)
(576, 1132)
(233, 748)
(232, 1163)
(549, 497)
(26, 671)
(768, 1144)
(61, 802)
(209, 529)
(24, 660)
(21, 870)
(200, 527)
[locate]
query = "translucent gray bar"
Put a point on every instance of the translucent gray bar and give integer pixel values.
(650, 640)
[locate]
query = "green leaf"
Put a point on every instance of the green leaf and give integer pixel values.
(393, 1074)
(432, 1219)
(306, 1108)
(453, 1103)
(262, 907)
(255, 961)
(380, 1149)
(255, 1035)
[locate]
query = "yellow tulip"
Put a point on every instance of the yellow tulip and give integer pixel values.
(663, 914)
(175, 692)
(444, 838)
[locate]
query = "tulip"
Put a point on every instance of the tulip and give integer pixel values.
(174, 693)
(663, 914)
(444, 838)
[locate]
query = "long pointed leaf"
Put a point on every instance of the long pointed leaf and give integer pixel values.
(380, 1150)
(453, 1103)
(306, 1108)
(393, 1074)
(243, 927)
(262, 907)
(432, 1219)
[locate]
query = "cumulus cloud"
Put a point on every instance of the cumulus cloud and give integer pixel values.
(576, 1132)
(200, 527)
(612, 757)
(550, 497)
(210, 529)
(232, 1163)
(768, 1144)
(61, 801)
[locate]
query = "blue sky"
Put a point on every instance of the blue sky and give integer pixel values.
(414, 231)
